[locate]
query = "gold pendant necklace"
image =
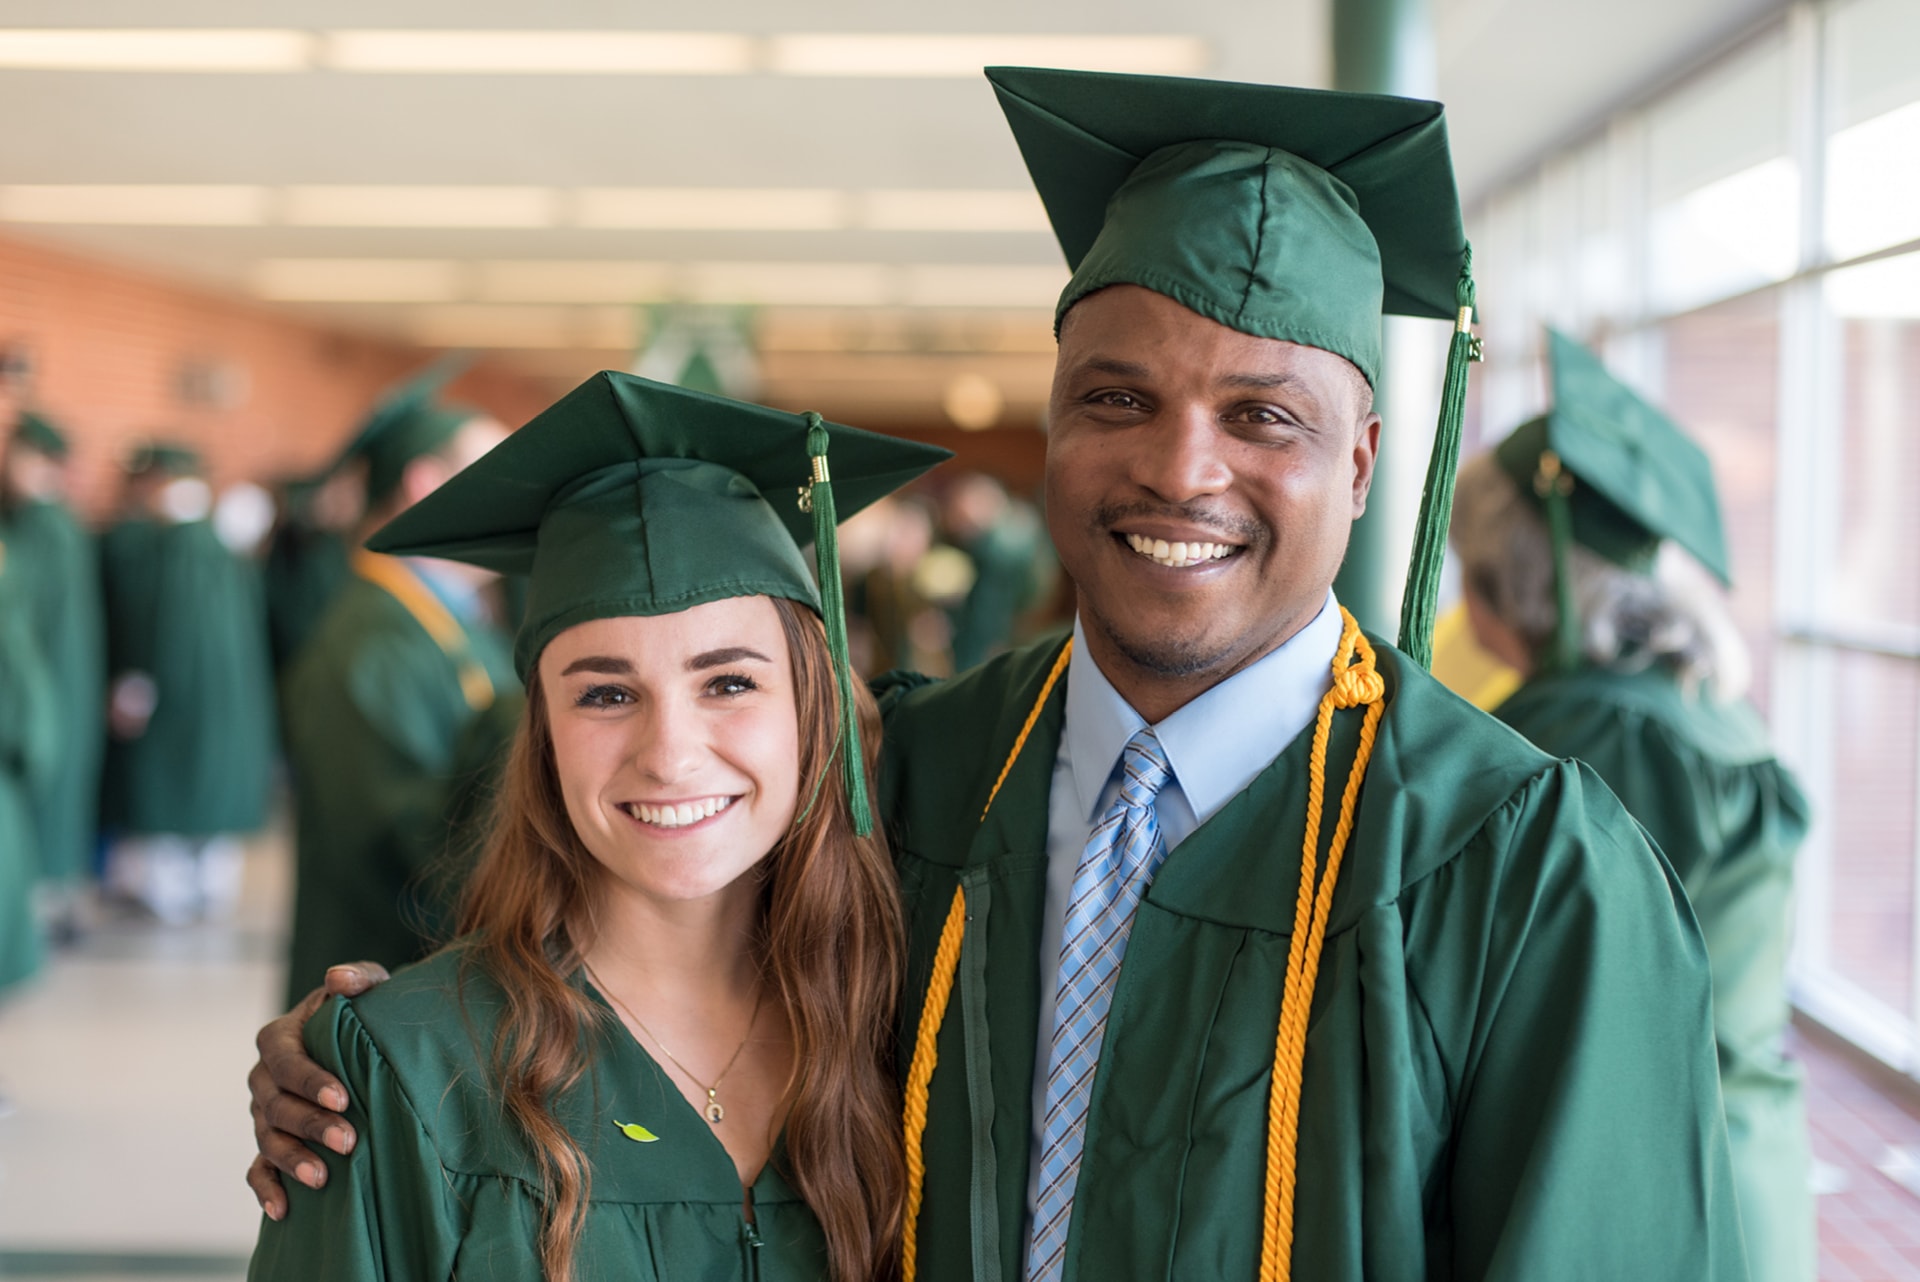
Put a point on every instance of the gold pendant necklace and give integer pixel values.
(714, 1112)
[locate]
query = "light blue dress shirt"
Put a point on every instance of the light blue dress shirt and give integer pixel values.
(1216, 744)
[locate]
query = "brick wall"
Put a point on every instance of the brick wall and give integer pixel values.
(108, 345)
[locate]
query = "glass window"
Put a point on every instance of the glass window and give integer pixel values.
(1720, 383)
(1874, 583)
(1868, 821)
(1724, 190)
(1873, 154)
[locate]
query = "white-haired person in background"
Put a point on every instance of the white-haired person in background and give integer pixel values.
(1585, 540)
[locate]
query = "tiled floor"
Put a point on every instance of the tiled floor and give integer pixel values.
(125, 1065)
(1868, 1145)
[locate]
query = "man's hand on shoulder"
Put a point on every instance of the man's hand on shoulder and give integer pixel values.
(296, 1101)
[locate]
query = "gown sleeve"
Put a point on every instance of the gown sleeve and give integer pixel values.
(388, 1212)
(1589, 1141)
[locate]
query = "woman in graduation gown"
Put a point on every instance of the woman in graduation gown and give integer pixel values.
(661, 1047)
(1574, 535)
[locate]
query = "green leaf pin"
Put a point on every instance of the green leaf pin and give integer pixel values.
(636, 1132)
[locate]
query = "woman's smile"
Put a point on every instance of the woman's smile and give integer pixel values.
(677, 816)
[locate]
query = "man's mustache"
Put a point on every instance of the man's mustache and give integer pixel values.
(1232, 527)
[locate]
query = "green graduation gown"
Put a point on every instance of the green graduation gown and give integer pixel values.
(1509, 1066)
(182, 608)
(387, 756)
(1703, 780)
(29, 753)
(57, 560)
(443, 1186)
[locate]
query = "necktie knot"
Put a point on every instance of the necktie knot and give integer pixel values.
(1144, 770)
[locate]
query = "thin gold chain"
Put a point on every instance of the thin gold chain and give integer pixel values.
(714, 1112)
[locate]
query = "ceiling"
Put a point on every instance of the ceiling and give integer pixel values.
(861, 196)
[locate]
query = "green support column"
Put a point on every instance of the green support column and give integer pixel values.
(1380, 46)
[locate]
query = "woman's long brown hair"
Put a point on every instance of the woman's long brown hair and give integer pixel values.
(831, 947)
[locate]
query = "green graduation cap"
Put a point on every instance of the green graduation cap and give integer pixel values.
(38, 432)
(1613, 474)
(1292, 214)
(406, 423)
(631, 497)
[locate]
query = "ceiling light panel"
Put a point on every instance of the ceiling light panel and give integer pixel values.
(982, 285)
(573, 281)
(136, 49)
(711, 208)
(953, 211)
(825, 284)
(420, 207)
(480, 325)
(136, 204)
(359, 280)
(678, 53)
(964, 55)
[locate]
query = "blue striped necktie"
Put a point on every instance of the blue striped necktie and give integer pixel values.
(1115, 869)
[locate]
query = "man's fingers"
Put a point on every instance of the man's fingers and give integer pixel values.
(297, 1119)
(265, 1183)
(286, 1153)
(283, 1053)
(350, 979)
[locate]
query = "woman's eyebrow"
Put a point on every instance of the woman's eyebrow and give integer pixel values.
(606, 665)
(723, 656)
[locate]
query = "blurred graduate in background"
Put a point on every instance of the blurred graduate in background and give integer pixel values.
(190, 701)
(57, 566)
(1583, 538)
(395, 707)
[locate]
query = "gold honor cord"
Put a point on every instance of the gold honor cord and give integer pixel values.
(391, 575)
(1356, 683)
(933, 1012)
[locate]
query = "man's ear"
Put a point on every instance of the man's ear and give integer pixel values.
(1366, 452)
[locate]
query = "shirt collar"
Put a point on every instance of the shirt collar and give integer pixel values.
(1217, 742)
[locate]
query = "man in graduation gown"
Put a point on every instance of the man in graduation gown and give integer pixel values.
(60, 580)
(1640, 679)
(30, 745)
(393, 708)
(190, 700)
(1145, 1035)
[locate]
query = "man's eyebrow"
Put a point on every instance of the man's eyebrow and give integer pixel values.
(605, 664)
(1115, 366)
(1269, 382)
(723, 656)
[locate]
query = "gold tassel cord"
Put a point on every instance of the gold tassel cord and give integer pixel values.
(1356, 683)
(1033, 717)
(946, 960)
(933, 1011)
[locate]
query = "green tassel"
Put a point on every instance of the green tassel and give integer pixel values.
(1420, 603)
(1554, 487)
(826, 553)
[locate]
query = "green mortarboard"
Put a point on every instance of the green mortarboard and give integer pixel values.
(1636, 477)
(164, 456)
(39, 432)
(1292, 214)
(631, 497)
(403, 425)
(1613, 474)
